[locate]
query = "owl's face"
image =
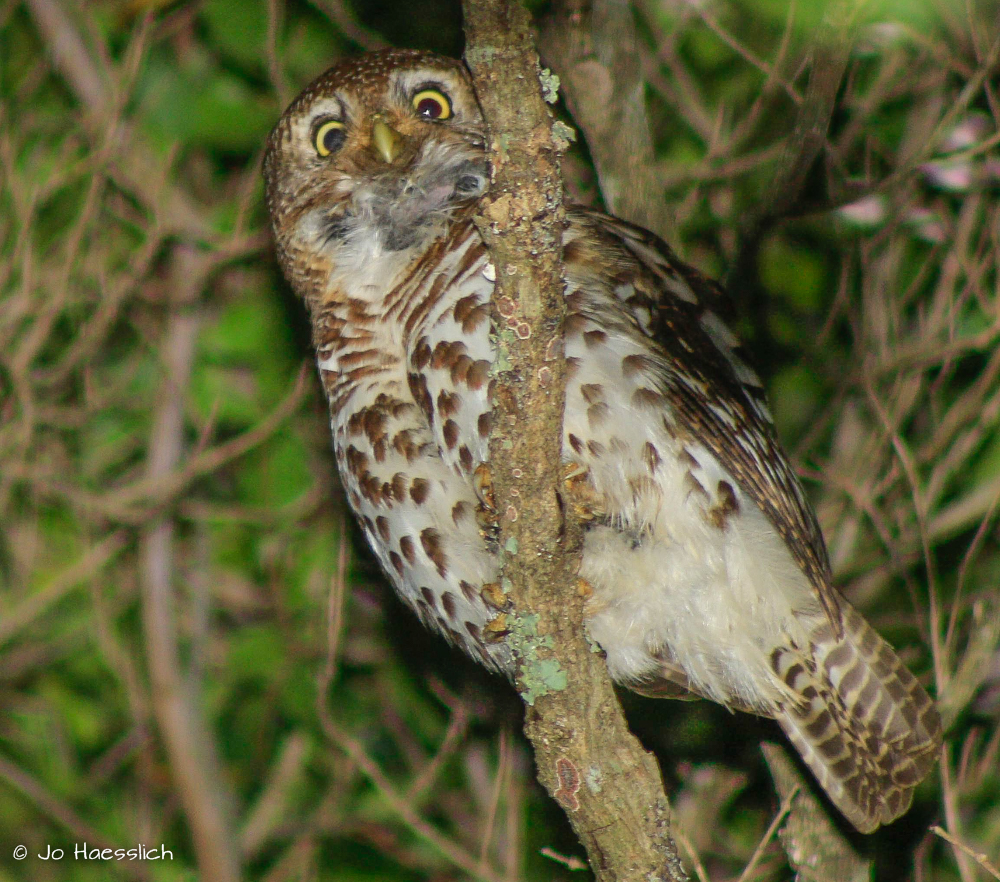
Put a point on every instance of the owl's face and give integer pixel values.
(374, 157)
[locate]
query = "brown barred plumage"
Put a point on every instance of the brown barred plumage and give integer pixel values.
(708, 569)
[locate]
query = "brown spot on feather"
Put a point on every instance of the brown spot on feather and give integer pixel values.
(478, 374)
(726, 507)
(419, 490)
(597, 414)
(648, 398)
(409, 549)
(421, 354)
(446, 353)
(695, 486)
(448, 403)
(460, 369)
(357, 462)
(464, 306)
(403, 444)
(430, 539)
(421, 394)
(399, 485)
(651, 456)
(638, 364)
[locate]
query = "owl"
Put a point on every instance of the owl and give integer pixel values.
(708, 571)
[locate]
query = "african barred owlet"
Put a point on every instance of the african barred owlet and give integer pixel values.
(708, 570)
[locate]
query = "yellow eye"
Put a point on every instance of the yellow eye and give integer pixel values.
(432, 104)
(329, 137)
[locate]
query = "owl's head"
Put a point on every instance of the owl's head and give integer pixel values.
(374, 157)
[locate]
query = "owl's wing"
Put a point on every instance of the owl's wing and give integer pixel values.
(715, 395)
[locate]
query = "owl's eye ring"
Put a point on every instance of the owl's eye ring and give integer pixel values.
(329, 136)
(432, 104)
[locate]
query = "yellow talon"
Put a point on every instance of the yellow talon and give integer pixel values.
(585, 502)
(482, 481)
(493, 594)
(494, 631)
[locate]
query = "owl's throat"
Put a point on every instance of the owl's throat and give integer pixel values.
(399, 212)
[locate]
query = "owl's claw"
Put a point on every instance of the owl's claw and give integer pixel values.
(494, 596)
(489, 525)
(482, 482)
(486, 515)
(585, 502)
(495, 630)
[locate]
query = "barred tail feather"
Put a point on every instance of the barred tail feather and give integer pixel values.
(859, 718)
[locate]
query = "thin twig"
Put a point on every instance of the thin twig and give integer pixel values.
(62, 814)
(396, 800)
(979, 857)
(39, 602)
(344, 18)
(758, 853)
(271, 807)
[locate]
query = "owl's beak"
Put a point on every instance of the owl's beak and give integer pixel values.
(388, 142)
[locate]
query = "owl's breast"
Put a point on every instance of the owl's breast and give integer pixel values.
(406, 373)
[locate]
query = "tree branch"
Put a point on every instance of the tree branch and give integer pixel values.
(588, 760)
(816, 848)
(831, 53)
(594, 47)
(188, 743)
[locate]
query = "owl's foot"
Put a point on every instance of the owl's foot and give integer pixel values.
(495, 630)
(585, 502)
(486, 515)
(493, 596)
(482, 483)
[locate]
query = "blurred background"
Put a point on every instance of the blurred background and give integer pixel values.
(196, 649)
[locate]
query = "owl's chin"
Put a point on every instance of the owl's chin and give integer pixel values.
(401, 212)
(388, 232)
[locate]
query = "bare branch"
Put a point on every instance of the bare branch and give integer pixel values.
(343, 17)
(831, 52)
(594, 47)
(818, 851)
(185, 735)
